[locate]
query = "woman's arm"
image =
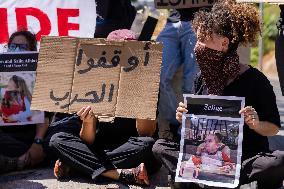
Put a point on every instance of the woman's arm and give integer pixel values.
(264, 128)
(35, 151)
(41, 129)
(88, 130)
(145, 127)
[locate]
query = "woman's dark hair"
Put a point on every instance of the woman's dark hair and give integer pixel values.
(22, 86)
(237, 21)
(31, 38)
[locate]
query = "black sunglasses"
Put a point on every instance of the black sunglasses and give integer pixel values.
(21, 46)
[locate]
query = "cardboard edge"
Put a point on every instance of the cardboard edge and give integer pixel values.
(43, 39)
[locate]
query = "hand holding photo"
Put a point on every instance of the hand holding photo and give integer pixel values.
(210, 147)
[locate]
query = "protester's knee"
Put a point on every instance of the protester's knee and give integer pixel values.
(56, 139)
(148, 142)
(268, 169)
(158, 148)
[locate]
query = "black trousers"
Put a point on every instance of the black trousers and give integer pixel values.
(14, 142)
(93, 161)
(265, 168)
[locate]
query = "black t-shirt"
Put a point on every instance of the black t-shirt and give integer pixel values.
(112, 135)
(258, 93)
(187, 14)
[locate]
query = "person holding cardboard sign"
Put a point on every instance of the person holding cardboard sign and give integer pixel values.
(219, 34)
(120, 150)
(117, 150)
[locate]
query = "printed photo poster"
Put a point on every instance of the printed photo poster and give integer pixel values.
(211, 141)
(17, 80)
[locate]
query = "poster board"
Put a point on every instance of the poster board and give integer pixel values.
(178, 4)
(117, 78)
(211, 141)
(17, 72)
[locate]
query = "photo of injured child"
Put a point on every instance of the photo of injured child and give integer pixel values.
(210, 150)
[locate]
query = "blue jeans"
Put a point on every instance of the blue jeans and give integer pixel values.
(178, 43)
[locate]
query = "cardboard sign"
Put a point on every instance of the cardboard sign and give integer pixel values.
(18, 70)
(211, 141)
(178, 4)
(51, 17)
(117, 78)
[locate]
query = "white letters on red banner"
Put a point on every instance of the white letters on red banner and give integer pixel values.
(48, 17)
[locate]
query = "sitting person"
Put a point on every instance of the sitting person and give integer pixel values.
(21, 146)
(219, 33)
(117, 150)
(26, 146)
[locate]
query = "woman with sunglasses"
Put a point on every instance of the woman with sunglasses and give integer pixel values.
(22, 41)
(22, 146)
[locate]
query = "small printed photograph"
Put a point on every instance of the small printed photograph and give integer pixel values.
(209, 150)
(15, 97)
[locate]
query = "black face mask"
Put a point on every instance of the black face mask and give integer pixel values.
(216, 67)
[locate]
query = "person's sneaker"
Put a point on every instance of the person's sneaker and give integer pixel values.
(137, 175)
(61, 170)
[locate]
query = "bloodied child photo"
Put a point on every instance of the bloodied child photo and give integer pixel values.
(210, 150)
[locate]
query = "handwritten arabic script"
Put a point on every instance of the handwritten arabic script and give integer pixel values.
(94, 97)
(102, 62)
(110, 76)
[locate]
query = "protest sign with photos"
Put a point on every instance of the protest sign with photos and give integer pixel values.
(117, 78)
(178, 4)
(17, 78)
(211, 141)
